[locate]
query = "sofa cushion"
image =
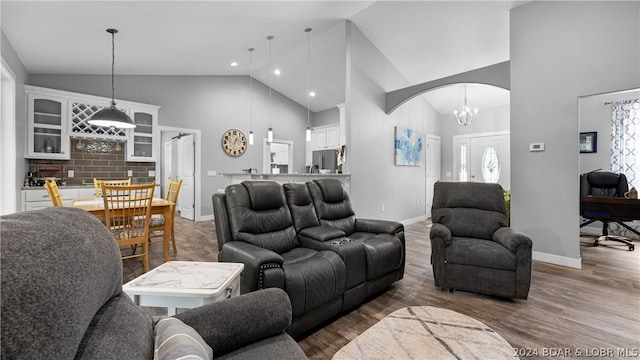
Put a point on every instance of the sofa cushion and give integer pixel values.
(59, 266)
(332, 190)
(332, 204)
(301, 206)
(176, 340)
(265, 195)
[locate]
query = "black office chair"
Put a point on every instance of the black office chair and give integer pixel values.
(604, 184)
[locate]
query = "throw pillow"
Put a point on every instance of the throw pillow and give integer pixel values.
(177, 340)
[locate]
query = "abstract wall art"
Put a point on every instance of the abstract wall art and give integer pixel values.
(408, 147)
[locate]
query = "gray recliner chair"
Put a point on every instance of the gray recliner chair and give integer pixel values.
(472, 247)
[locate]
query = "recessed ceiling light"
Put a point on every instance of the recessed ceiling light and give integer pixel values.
(234, 64)
(312, 93)
(276, 71)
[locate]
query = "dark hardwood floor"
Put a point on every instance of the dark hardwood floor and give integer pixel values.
(594, 310)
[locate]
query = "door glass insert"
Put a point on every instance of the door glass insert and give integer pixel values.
(490, 165)
(463, 174)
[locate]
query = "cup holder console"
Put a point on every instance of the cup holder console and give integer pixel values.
(340, 241)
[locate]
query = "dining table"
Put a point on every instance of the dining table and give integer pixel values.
(158, 206)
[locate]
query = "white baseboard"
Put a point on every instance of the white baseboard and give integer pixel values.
(414, 220)
(205, 218)
(557, 260)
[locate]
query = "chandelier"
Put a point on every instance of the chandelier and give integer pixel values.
(465, 116)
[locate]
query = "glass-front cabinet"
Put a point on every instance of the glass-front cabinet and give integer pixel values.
(55, 116)
(140, 145)
(48, 138)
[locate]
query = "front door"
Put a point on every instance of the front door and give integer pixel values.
(489, 159)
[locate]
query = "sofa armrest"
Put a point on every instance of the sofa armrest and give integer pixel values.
(255, 260)
(233, 323)
(322, 233)
(439, 231)
(379, 226)
(511, 238)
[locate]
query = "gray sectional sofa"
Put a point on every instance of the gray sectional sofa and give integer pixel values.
(306, 240)
(62, 298)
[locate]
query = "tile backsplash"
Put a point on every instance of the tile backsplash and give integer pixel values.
(102, 159)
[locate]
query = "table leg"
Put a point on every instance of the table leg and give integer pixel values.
(168, 227)
(171, 311)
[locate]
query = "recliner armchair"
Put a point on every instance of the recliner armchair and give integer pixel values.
(472, 247)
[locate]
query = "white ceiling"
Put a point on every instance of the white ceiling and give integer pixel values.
(425, 40)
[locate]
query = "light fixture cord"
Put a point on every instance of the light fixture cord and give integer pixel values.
(251, 91)
(308, 30)
(270, 77)
(113, 69)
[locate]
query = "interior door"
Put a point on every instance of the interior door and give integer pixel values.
(166, 167)
(186, 169)
(490, 159)
(432, 168)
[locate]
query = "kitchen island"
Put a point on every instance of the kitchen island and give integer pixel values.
(237, 178)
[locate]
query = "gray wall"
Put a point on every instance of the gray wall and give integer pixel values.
(212, 104)
(560, 51)
(22, 77)
(375, 180)
(489, 120)
(326, 117)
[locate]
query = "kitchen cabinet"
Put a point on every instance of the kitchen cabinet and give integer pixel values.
(322, 138)
(55, 116)
(140, 144)
(47, 130)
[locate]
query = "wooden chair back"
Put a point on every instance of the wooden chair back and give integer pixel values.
(54, 192)
(127, 214)
(97, 184)
(159, 224)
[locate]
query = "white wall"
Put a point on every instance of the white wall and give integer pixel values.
(375, 180)
(560, 51)
(22, 77)
(212, 104)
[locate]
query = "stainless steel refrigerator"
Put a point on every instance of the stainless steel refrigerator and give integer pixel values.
(325, 159)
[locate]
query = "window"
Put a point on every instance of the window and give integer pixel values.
(490, 165)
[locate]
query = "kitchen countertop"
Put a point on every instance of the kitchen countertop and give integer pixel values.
(86, 186)
(284, 175)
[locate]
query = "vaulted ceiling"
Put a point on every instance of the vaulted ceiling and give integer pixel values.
(424, 40)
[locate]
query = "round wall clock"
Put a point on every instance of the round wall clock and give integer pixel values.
(234, 142)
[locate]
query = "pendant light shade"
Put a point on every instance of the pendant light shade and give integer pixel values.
(111, 116)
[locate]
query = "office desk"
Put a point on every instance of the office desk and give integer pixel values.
(158, 206)
(611, 207)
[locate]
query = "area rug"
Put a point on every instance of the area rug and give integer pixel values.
(426, 332)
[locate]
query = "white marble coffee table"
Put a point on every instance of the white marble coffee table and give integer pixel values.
(185, 284)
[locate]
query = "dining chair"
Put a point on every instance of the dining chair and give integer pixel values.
(54, 192)
(97, 184)
(157, 225)
(127, 214)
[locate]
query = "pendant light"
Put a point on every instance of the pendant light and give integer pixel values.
(111, 116)
(270, 132)
(308, 132)
(251, 96)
